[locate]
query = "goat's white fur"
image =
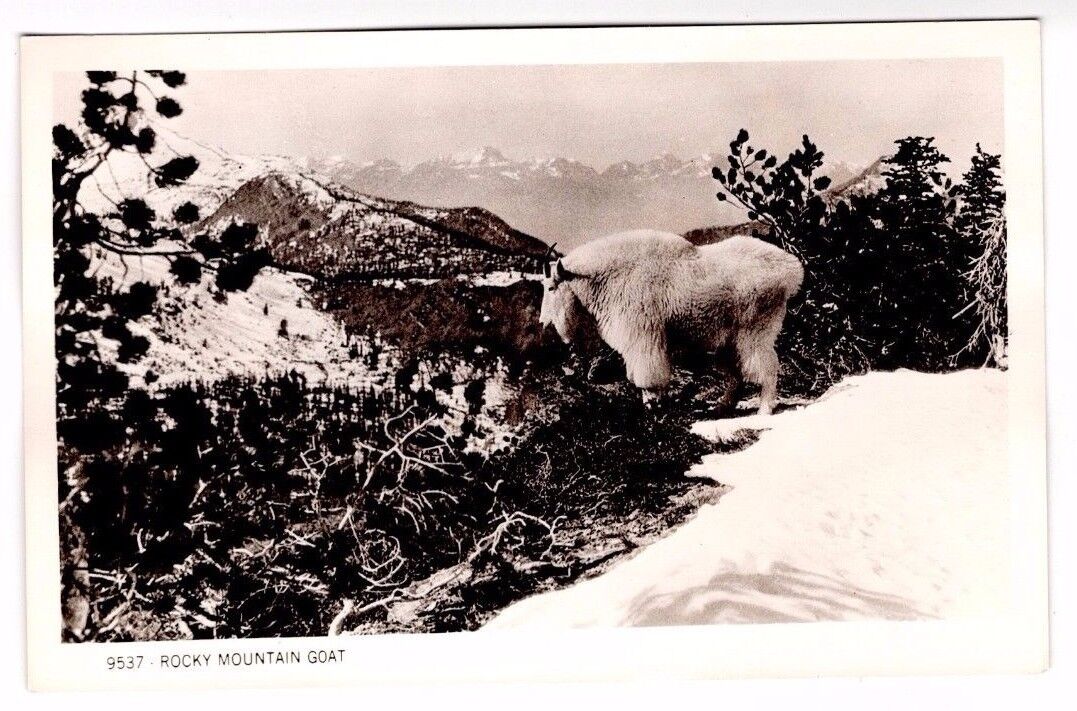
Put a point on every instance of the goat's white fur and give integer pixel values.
(649, 291)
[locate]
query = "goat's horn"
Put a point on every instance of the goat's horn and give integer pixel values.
(549, 252)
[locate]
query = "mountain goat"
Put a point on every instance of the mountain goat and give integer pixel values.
(653, 293)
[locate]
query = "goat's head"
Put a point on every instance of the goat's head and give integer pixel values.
(560, 307)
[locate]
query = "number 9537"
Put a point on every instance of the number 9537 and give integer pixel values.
(122, 663)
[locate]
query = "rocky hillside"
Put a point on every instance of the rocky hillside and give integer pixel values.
(219, 174)
(710, 235)
(197, 333)
(869, 180)
(311, 226)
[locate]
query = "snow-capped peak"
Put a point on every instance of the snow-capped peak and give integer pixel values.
(666, 161)
(219, 173)
(381, 163)
(488, 155)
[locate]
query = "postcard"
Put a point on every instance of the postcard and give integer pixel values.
(592, 353)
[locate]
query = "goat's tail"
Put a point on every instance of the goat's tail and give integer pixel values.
(791, 277)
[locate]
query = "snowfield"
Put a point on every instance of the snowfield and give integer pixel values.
(885, 499)
(192, 335)
(124, 175)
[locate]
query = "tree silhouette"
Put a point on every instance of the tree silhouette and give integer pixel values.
(885, 283)
(787, 197)
(919, 289)
(98, 417)
(116, 118)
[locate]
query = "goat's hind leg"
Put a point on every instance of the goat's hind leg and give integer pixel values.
(759, 364)
(768, 383)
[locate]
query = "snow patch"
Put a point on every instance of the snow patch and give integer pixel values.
(403, 283)
(271, 328)
(505, 278)
(886, 499)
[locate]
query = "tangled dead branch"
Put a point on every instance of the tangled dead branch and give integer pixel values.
(987, 277)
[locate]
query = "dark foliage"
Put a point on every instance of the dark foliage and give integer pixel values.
(168, 107)
(113, 120)
(248, 508)
(886, 271)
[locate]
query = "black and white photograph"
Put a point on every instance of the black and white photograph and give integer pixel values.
(511, 348)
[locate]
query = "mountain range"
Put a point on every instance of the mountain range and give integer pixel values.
(311, 226)
(559, 199)
(336, 218)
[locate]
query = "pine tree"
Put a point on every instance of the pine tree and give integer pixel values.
(913, 306)
(98, 415)
(981, 194)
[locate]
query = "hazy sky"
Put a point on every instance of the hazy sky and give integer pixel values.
(599, 114)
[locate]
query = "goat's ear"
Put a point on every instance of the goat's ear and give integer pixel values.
(560, 273)
(546, 270)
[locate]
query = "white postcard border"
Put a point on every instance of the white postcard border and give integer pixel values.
(1010, 643)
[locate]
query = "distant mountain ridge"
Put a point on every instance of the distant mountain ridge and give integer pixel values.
(559, 199)
(711, 235)
(311, 226)
(866, 181)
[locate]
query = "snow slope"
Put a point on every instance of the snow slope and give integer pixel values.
(124, 175)
(193, 335)
(885, 499)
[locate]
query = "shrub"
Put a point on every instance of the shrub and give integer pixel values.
(887, 268)
(253, 507)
